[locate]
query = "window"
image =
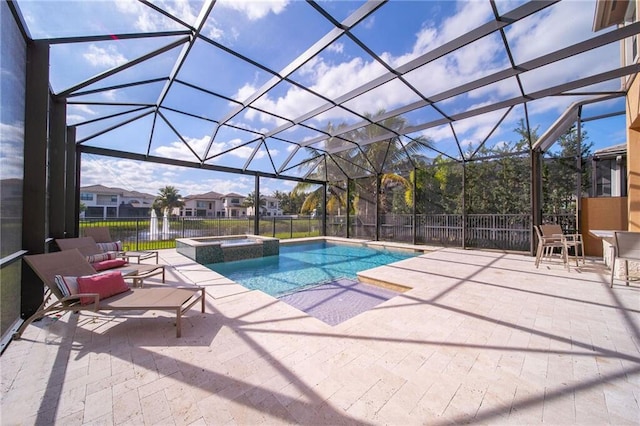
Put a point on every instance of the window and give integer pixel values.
(235, 201)
(86, 196)
(201, 204)
(611, 178)
(114, 198)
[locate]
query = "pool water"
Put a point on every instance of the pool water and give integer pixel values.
(308, 264)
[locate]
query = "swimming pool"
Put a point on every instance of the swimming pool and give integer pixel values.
(306, 264)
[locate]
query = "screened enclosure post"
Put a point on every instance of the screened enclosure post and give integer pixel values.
(290, 227)
(324, 210)
(413, 207)
(273, 229)
(464, 204)
(256, 207)
(77, 177)
(34, 208)
(536, 197)
(377, 199)
(57, 171)
(72, 188)
(579, 173)
(348, 208)
(137, 232)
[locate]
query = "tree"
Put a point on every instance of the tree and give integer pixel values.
(167, 199)
(499, 181)
(250, 201)
(290, 203)
(381, 167)
(559, 173)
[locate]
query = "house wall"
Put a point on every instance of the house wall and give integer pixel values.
(633, 154)
(601, 213)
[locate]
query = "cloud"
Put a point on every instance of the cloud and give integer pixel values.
(86, 109)
(147, 19)
(336, 47)
(121, 173)
(12, 150)
(255, 9)
(104, 56)
(78, 113)
(295, 103)
(109, 94)
(549, 29)
(149, 177)
(333, 79)
(178, 150)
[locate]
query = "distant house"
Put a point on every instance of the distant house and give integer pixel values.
(233, 205)
(609, 172)
(104, 202)
(213, 204)
(203, 205)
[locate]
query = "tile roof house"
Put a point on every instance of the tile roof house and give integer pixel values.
(208, 204)
(103, 202)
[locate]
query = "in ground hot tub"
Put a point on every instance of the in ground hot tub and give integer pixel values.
(227, 248)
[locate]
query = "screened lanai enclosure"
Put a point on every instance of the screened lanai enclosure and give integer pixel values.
(429, 122)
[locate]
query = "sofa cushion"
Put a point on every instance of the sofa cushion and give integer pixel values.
(106, 284)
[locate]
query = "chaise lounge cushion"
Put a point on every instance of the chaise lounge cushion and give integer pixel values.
(106, 284)
(108, 264)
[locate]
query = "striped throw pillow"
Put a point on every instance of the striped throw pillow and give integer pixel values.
(106, 247)
(101, 256)
(68, 286)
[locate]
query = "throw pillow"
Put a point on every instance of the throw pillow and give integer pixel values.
(106, 284)
(101, 256)
(108, 264)
(113, 246)
(67, 285)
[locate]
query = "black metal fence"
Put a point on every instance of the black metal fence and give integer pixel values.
(148, 233)
(490, 231)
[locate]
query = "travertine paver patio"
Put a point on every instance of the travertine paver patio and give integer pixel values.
(482, 337)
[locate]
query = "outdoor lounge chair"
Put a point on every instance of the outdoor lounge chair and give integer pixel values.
(88, 247)
(73, 263)
(101, 235)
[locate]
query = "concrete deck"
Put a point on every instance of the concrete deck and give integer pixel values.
(482, 337)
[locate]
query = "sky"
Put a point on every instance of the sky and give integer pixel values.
(275, 33)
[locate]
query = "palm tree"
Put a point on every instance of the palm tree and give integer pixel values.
(168, 198)
(249, 201)
(386, 158)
